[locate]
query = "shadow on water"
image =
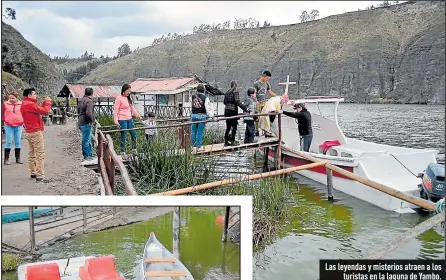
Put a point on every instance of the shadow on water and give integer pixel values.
(201, 249)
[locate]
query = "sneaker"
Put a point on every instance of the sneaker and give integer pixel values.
(257, 134)
(42, 180)
(227, 144)
(6, 162)
(33, 176)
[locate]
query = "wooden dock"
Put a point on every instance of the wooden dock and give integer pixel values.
(214, 149)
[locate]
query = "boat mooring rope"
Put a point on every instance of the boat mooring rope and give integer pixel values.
(439, 206)
(403, 165)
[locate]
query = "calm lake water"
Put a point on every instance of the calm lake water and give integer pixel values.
(201, 249)
(349, 227)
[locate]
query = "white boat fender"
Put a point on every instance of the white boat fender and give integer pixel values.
(439, 206)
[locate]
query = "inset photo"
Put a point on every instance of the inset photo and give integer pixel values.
(122, 242)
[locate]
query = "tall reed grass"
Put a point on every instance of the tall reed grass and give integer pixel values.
(157, 167)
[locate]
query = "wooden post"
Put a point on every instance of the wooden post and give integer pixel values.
(279, 148)
(114, 210)
(32, 234)
(176, 232)
(329, 183)
(265, 163)
(84, 214)
(226, 224)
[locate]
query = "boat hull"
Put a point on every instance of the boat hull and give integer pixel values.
(156, 250)
(347, 185)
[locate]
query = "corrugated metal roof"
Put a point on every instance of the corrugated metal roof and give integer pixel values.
(78, 90)
(148, 85)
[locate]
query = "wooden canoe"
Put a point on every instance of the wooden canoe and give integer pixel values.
(160, 264)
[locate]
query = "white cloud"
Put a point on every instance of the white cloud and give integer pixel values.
(73, 35)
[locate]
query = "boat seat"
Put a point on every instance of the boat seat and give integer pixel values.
(166, 274)
(100, 268)
(160, 260)
(48, 271)
(348, 152)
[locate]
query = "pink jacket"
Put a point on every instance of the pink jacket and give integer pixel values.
(11, 114)
(123, 110)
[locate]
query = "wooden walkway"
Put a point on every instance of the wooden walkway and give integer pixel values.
(214, 149)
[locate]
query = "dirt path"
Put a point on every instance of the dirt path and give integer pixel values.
(62, 166)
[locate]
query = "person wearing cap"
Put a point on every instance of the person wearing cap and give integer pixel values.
(250, 107)
(303, 117)
(85, 122)
(264, 92)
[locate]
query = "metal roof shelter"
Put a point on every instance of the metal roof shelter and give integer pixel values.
(168, 86)
(99, 90)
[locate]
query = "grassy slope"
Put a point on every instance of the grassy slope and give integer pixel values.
(348, 54)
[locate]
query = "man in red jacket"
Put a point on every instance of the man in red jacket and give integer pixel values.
(33, 122)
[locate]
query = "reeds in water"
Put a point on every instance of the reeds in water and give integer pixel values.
(158, 166)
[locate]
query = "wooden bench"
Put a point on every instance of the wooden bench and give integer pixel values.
(160, 260)
(165, 273)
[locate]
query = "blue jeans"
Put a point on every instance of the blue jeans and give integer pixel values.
(125, 125)
(305, 142)
(197, 132)
(13, 132)
(86, 141)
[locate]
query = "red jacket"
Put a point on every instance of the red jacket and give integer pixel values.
(32, 114)
(11, 114)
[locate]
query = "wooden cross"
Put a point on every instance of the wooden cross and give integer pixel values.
(287, 83)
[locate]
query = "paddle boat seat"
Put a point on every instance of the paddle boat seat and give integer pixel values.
(100, 268)
(43, 272)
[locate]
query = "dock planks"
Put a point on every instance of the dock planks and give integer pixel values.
(213, 149)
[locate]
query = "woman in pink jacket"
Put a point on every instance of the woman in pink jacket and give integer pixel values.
(124, 111)
(13, 120)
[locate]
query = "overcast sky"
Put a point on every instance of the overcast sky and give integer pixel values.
(72, 27)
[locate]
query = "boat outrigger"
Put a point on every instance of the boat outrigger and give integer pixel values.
(411, 171)
(160, 263)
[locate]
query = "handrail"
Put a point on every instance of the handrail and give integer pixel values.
(190, 123)
(231, 181)
(406, 236)
(426, 204)
(125, 175)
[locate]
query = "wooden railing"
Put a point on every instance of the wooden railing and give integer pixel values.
(108, 159)
(163, 112)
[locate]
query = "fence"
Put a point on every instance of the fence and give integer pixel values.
(78, 217)
(108, 159)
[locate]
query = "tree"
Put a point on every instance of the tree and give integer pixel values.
(314, 14)
(266, 24)
(10, 13)
(124, 50)
(304, 16)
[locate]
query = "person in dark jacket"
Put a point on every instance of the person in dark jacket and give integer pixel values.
(201, 110)
(86, 121)
(303, 117)
(232, 102)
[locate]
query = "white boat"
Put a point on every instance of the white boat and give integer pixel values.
(160, 263)
(395, 167)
